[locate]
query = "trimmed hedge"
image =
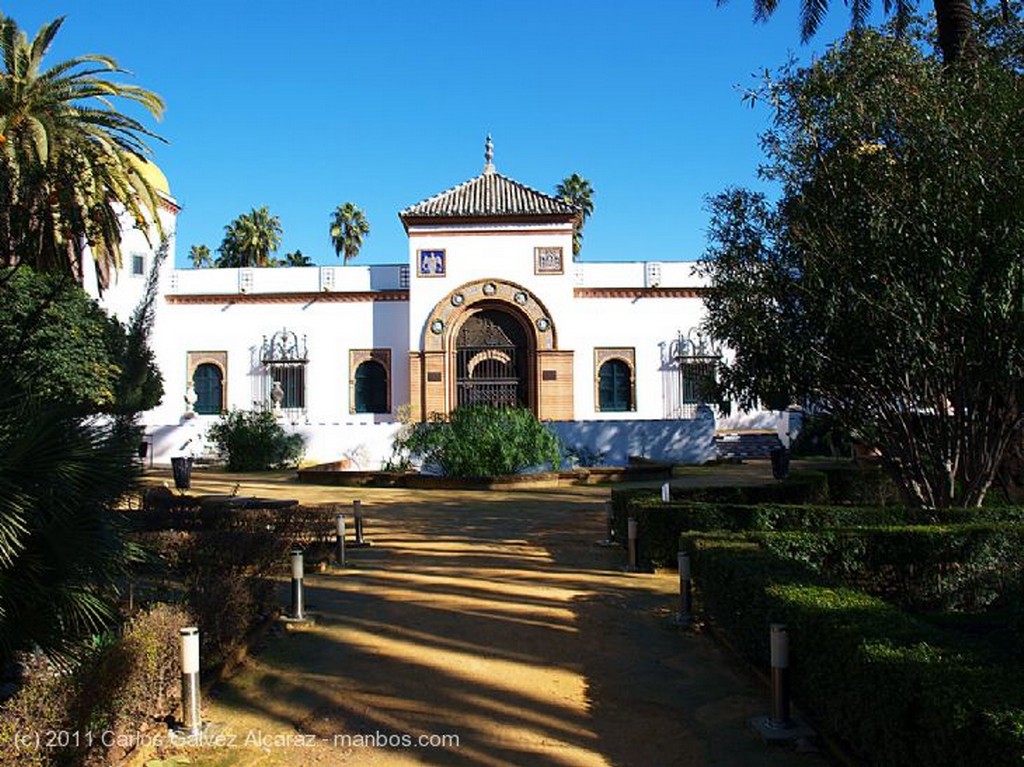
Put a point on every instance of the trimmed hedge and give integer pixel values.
(963, 567)
(897, 690)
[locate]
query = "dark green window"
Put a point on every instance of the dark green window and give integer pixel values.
(208, 383)
(698, 378)
(615, 390)
(371, 388)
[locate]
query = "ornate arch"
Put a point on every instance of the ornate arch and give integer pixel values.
(449, 313)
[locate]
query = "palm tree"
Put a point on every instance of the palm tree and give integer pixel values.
(348, 228)
(298, 258)
(250, 239)
(70, 160)
(953, 19)
(577, 191)
(201, 257)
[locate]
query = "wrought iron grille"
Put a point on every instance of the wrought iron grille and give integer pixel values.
(490, 361)
(691, 373)
(283, 383)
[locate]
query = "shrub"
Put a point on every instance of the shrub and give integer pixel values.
(896, 690)
(920, 568)
(120, 690)
(482, 441)
(254, 440)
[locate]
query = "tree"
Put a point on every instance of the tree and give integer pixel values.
(954, 19)
(298, 258)
(577, 191)
(250, 239)
(886, 285)
(348, 228)
(70, 162)
(200, 256)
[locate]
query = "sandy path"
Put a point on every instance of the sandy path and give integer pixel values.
(495, 619)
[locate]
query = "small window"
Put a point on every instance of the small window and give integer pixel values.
(208, 382)
(293, 384)
(371, 388)
(138, 265)
(615, 389)
(698, 378)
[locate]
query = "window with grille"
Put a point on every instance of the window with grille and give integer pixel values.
(284, 357)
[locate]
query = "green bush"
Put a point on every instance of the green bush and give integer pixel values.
(920, 568)
(482, 441)
(254, 440)
(860, 485)
(123, 687)
(897, 690)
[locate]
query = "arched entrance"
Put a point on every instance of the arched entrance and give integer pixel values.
(493, 361)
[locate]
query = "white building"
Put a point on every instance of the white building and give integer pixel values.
(488, 306)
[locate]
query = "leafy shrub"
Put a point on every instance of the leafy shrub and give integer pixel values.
(483, 441)
(820, 434)
(896, 690)
(920, 568)
(254, 440)
(860, 485)
(121, 689)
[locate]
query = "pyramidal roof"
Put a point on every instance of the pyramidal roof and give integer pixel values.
(489, 195)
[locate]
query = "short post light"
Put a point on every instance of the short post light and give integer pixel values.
(631, 543)
(298, 608)
(190, 681)
(666, 493)
(341, 539)
(357, 512)
(779, 716)
(609, 521)
(685, 590)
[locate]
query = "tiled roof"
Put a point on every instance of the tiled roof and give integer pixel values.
(489, 195)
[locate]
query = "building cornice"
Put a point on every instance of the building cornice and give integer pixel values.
(639, 292)
(339, 297)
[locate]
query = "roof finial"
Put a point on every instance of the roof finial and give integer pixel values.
(489, 155)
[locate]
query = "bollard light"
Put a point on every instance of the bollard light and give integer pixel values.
(685, 589)
(631, 530)
(779, 717)
(357, 512)
(666, 493)
(298, 609)
(341, 540)
(609, 521)
(190, 680)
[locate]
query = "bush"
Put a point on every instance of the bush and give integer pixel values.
(254, 440)
(482, 441)
(121, 689)
(860, 485)
(896, 690)
(920, 568)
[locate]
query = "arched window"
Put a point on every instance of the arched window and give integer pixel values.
(371, 388)
(615, 390)
(208, 382)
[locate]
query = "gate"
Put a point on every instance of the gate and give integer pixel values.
(491, 361)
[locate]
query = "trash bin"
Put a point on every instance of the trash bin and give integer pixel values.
(780, 462)
(182, 469)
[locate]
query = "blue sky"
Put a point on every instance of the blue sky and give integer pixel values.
(303, 106)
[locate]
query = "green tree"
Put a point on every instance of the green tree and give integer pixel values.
(886, 285)
(577, 191)
(200, 256)
(250, 239)
(70, 160)
(954, 19)
(298, 258)
(348, 228)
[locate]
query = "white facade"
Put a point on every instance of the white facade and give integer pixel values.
(410, 318)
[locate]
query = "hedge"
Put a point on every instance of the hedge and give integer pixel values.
(896, 690)
(920, 568)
